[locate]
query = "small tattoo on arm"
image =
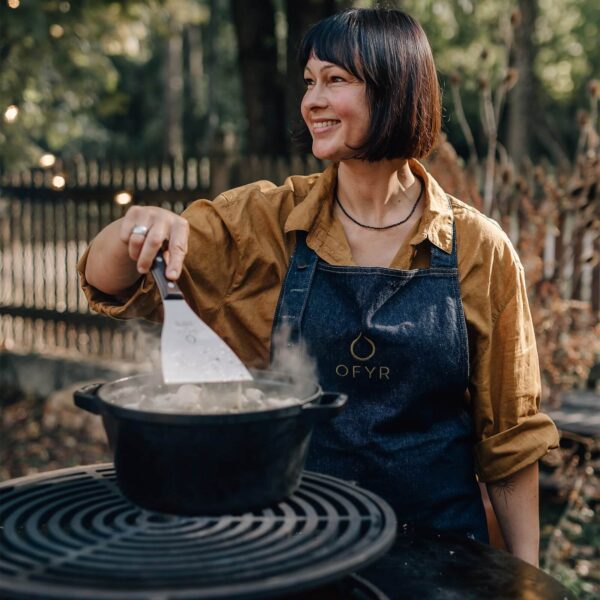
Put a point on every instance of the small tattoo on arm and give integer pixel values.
(504, 488)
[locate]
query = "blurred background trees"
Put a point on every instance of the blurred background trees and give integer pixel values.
(172, 78)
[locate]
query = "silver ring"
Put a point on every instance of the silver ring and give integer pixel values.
(139, 230)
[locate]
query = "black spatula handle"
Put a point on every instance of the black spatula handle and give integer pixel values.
(168, 289)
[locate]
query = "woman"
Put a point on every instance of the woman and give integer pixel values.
(410, 301)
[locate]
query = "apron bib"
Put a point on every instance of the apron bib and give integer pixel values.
(396, 342)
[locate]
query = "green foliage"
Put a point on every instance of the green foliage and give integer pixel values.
(85, 76)
(88, 76)
(55, 60)
(470, 37)
(567, 35)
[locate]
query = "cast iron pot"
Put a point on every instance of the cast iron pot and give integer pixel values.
(192, 464)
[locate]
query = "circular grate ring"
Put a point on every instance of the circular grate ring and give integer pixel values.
(71, 534)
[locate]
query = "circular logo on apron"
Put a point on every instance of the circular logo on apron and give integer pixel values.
(366, 352)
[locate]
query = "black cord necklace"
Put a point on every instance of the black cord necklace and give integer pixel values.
(410, 214)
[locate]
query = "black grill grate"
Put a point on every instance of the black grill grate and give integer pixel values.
(71, 534)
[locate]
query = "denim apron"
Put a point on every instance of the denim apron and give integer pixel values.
(396, 342)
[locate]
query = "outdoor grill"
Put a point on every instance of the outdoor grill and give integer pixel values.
(71, 534)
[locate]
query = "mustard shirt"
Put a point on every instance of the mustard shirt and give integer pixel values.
(239, 248)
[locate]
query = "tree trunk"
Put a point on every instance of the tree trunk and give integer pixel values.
(261, 83)
(523, 99)
(301, 14)
(212, 66)
(196, 69)
(173, 93)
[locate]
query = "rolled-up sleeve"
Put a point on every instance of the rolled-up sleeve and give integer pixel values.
(505, 390)
(141, 300)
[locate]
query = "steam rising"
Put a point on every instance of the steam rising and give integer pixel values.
(291, 362)
(147, 341)
(294, 360)
(290, 359)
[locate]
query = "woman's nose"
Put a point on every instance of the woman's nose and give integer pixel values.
(314, 97)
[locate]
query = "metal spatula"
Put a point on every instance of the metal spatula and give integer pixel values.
(191, 352)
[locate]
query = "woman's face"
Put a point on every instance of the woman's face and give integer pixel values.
(335, 109)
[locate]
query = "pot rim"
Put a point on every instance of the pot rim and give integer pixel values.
(262, 376)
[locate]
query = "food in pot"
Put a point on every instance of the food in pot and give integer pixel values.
(201, 399)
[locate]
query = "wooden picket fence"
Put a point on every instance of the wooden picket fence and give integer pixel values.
(46, 224)
(45, 227)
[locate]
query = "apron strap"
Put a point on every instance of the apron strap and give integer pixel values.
(296, 288)
(439, 258)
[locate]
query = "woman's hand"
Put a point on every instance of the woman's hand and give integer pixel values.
(117, 256)
(161, 225)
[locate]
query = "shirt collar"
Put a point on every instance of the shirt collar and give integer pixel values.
(315, 214)
(303, 215)
(436, 222)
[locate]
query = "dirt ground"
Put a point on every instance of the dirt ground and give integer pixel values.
(38, 435)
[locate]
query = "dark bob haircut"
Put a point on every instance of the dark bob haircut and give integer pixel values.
(389, 51)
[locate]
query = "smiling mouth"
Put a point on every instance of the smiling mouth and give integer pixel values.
(324, 124)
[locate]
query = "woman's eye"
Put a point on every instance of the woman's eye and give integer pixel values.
(332, 79)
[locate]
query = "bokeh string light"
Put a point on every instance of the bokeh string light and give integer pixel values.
(11, 113)
(123, 198)
(58, 182)
(47, 160)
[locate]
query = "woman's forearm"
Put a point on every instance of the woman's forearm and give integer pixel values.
(109, 267)
(516, 504)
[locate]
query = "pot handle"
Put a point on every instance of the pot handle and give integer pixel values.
(87, 398)
(326, 406)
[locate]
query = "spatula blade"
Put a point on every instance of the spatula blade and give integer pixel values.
(192, 352)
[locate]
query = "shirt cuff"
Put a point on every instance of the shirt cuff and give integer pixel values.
(141, 300)
(509, 451)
